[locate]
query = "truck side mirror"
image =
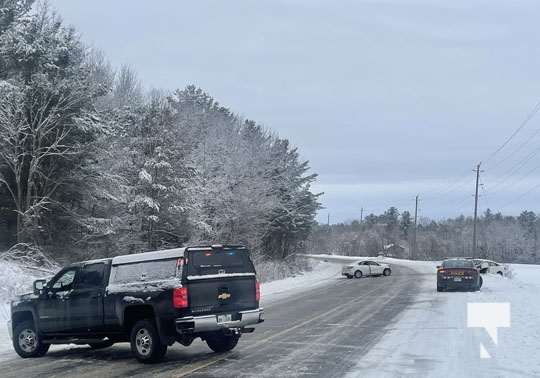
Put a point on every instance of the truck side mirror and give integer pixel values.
(38, 286)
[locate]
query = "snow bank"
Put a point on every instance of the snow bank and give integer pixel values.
(15, 280)
(275, 290)
(430, 339)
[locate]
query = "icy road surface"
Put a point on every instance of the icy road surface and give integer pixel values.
(322, 325)
(320, 332)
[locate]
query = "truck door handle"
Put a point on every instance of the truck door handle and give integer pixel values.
(96, 295)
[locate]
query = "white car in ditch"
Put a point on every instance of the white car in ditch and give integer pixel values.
(362, 268)
(489, 266)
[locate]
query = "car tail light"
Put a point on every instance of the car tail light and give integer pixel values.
(257, 291)
(180, 298)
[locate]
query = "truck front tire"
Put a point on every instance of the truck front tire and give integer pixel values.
(145, 343)
(26, 341)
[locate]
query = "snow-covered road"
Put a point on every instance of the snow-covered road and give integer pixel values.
(431, 338)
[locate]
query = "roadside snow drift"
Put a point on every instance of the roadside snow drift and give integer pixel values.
(430, 339)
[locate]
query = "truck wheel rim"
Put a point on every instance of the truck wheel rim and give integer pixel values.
(143, 341)
(27, 340)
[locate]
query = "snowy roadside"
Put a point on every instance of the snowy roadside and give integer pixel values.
(321, 273)
(431, 338)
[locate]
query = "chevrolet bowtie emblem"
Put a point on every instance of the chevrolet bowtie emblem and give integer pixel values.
(224, 296)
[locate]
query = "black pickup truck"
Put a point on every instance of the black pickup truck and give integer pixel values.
(151, 300)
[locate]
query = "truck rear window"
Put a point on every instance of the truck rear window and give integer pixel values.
(217, 259)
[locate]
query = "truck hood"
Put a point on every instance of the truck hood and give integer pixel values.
(22, 298)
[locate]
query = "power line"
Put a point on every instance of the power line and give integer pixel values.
(516, 150)
(520, 197)
(483, 191)
(514, 169)
(517, 167)
(515, 182)
(440, 191)
(531, 115)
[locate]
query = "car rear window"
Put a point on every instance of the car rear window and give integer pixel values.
(458, 264)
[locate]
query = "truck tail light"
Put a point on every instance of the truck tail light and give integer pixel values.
(257, 291)
(180, 298)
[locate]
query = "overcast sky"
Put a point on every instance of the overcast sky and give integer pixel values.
(387, 99)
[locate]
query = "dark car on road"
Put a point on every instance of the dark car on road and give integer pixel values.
(458, 274)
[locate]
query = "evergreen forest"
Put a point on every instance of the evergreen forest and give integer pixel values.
(92, 165)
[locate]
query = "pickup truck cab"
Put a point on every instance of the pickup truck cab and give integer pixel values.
(151, 300)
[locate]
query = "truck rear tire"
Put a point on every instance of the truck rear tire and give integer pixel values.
(26, 342)
(222, 343)
(145, 343)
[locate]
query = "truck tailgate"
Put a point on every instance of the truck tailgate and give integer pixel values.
(222, 294)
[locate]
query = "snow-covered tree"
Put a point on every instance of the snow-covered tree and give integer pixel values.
(405, 224)
(250, 186)
(47, 121)
(290, 221)
(91, 163)
(11, 12)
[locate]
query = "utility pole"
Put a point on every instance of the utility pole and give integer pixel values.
(361, 214)
(414, 236)
(475, 211)
(328, 219)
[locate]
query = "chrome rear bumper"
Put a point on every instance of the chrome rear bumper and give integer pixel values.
(208, 323)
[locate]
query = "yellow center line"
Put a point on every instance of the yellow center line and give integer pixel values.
(200, 367)
(256, 343)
